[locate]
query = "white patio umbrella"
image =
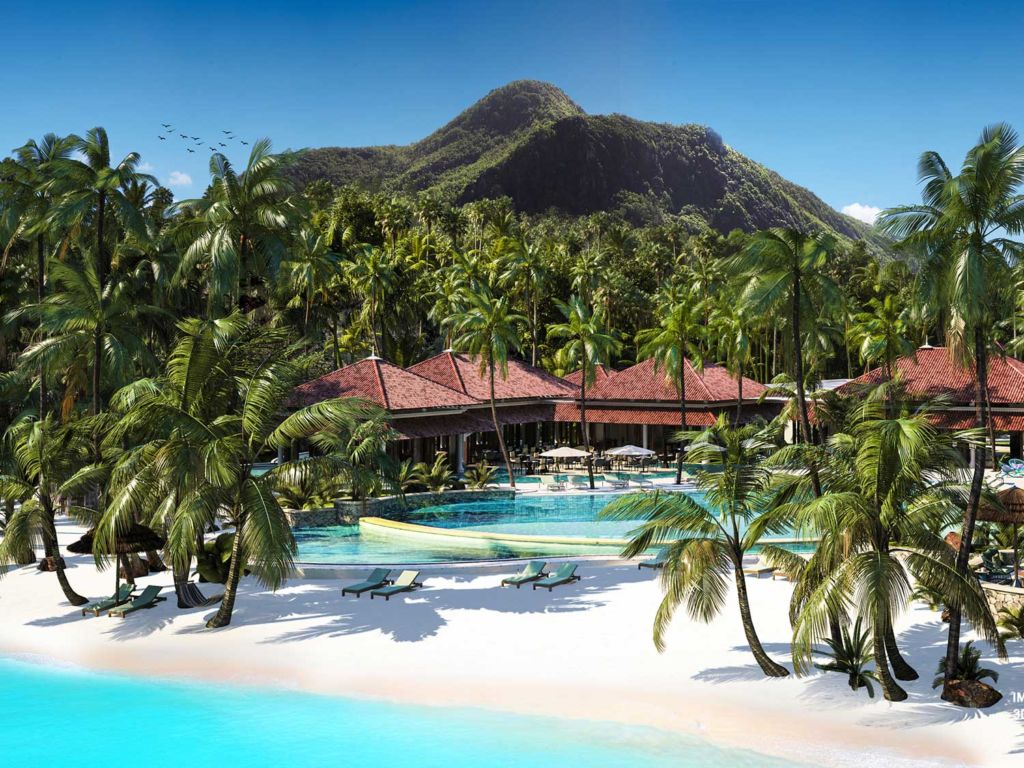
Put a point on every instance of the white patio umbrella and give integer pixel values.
(565, 452)
(629, 450)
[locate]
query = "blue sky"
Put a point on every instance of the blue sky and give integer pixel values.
(839, 97)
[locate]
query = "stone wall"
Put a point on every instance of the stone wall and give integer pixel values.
(345, 512)
(1000, 596)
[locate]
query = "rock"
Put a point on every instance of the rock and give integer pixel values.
(51, 563)
(971, 693)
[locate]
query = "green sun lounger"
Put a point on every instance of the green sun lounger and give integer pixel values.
(534, 570)
(566, 574)
(406, 582)
(377, 578)
(657, 562)
(123, 593)
(580, 482)
(148, 599)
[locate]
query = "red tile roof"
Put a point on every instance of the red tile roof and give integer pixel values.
(600, 374)
(930, 372)
(654, 416)
(462, 372)
(640, 383)
(380, 382)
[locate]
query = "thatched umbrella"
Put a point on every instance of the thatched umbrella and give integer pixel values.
(1011, 513)
(138, 538)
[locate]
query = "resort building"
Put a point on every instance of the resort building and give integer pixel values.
(443, 404)
(640, 405)
(932, 373)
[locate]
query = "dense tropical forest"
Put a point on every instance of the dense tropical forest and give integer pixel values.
(149, 347)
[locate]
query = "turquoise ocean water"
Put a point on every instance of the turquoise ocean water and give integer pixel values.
(78, 718)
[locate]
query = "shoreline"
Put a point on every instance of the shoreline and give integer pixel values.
(583, 653)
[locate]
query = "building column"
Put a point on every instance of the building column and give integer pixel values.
(643, 436)
(1016, 445)
(460, 453)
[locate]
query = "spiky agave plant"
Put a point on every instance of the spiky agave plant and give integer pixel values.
(850, 655)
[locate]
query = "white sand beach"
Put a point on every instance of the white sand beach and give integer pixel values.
(583, 651)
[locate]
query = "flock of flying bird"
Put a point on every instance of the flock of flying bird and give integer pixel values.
(169, 129)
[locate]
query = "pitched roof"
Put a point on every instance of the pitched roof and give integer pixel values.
(930, 372)
(666, 417)
(641, 383)
(380, 382)
(600, 374)
(461, 372)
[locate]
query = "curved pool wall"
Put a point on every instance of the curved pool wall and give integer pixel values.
(529, 525)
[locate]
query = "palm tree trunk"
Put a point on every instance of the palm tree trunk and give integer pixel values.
(533, 340)
(180, 580)
(583, 425)
(52, 550)
(739, 391)
(223, 616)
(801, 396)
(40, 295)
(764, 661)
(497, 430)
(900, 668)
(682, 418)
(890, 689)
(963, 554)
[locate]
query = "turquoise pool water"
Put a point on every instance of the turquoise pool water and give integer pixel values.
(80, 718)
(572, 514)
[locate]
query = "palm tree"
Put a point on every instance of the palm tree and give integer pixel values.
(215, 411)
(705, 543)
(730, 326)
(963, 234)
(786, 266)
(588, 345)
(891, 488)
(76, 314)
(89, 189)
(488, 328)
(372, 274)
(29, 202)
(47, 457)
(236, 233)
(310, 270)
(671, 342)
(524, 268)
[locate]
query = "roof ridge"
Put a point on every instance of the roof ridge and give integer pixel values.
(380, 383)
(458, 373)
(700, 379)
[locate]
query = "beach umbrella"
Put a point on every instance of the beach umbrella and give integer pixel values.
(565, 452)
(1012, 513)
(629, 450)
(138, 538)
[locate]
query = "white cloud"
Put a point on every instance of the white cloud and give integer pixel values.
(865, 213)
(179, 179)
(146, 168)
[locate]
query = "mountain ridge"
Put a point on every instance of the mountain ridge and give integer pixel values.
(530, 141)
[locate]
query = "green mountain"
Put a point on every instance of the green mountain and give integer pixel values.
(531, 142)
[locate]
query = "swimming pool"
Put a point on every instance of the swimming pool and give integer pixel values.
(572, 515)
(163, 723)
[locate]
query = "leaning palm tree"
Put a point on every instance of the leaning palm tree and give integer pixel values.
(47, 456)
(706, 544)
(488, 328)
(892, 484)
(372, 274)
(589, 344)
(671, 342)
(786, 272)
(963, 232)
(310, 271)
(219, 406)
(235, 235)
